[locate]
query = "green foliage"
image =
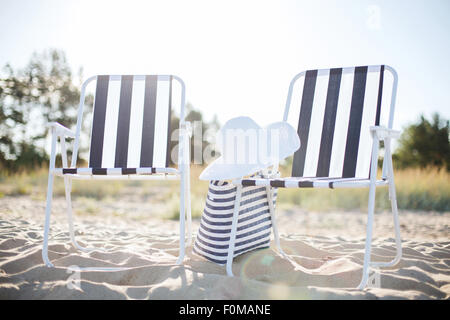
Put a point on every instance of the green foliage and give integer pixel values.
(42, 92)
(425, 144)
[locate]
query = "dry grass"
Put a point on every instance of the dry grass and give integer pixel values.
(424, 190)
(164, 194)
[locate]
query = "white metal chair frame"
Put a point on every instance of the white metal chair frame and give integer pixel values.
(182, 173)
(379, 133)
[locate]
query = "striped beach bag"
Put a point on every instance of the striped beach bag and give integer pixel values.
(254, 221)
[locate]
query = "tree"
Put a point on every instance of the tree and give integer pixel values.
(42, 92)
(425, 144)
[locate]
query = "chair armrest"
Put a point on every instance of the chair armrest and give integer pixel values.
(383, 132)
(60, 130)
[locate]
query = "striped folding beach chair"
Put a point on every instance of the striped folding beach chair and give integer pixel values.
(338, 119)
(129, 139)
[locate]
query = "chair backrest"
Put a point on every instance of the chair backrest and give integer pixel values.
(337, 108)
(131, 120)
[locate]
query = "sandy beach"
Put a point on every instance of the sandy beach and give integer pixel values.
(325, 252)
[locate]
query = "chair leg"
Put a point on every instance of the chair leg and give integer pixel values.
(48, 211)
(274, 224)
(68, 189)
(398, 239)
(48, 207)
(368, 247)
(188, 203)
(230, 256)
(182, 219)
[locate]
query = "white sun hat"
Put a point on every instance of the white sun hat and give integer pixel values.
(246, 148)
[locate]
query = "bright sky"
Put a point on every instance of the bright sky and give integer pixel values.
(237, 57)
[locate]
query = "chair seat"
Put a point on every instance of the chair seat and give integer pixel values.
(114, 171)
(297, 182)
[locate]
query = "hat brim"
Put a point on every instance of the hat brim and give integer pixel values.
(218, 170)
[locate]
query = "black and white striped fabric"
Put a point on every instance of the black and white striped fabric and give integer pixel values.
(336, 110)
(254, 221)
(131, 122)
(130, 128)
(130, 132)
(300, 182)
(114, 171)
